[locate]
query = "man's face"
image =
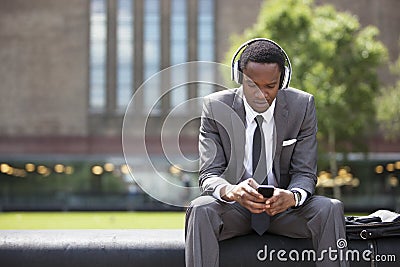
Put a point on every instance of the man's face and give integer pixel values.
(261, 84)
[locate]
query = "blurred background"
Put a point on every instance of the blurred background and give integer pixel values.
(70, 67)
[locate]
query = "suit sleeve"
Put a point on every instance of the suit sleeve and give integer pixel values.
(303, 165)
(213, 162)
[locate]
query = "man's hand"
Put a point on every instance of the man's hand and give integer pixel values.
(279, 202)
(246, 195)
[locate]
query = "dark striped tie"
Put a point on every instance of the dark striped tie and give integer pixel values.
(259, 222)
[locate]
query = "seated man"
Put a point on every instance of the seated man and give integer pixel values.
(260, 133)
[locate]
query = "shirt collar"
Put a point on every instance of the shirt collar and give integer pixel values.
(251, 113)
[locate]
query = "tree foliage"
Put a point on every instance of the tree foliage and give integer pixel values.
(388, 107)
(333, 58)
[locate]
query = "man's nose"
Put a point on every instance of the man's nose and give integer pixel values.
(260, 94)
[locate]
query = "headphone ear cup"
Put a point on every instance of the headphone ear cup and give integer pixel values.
(237, 73)
(285, 78)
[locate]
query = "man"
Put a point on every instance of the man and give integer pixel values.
(233, 121)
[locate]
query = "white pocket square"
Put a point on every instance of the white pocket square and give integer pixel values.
(289, 142)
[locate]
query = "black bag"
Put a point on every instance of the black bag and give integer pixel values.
(382, 223)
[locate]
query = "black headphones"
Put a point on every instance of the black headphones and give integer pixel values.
(237, 75)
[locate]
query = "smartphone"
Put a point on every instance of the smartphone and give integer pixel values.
(266, 190)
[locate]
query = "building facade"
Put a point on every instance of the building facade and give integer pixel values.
(70, 67)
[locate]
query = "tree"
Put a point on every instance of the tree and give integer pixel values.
(334, 59)
(388, 108)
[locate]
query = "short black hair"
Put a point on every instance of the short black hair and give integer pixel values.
(262, 52)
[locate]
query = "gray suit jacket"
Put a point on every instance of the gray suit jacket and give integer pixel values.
(222, 140)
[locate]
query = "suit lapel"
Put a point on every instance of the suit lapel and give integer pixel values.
(281, 119)
(238, 133)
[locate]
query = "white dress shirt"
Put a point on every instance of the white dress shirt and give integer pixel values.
(268, 129)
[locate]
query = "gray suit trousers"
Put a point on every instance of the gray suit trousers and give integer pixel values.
(209, 221)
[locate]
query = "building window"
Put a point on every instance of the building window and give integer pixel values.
(98, 55)
(152, 54)
(148, 42)
(205, 44)
(179, 50)
(124, 53)
(98, 43)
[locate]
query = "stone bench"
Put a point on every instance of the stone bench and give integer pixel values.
(59, 248)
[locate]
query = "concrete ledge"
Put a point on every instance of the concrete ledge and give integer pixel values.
(243, 250)
(59, 248)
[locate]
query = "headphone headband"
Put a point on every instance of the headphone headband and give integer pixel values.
(235, 71)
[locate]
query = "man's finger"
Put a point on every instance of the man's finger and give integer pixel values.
(252, 183)
(253, 192)
(272, 200)
(255, 207)
(254, 210)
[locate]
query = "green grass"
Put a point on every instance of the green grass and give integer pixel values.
(91, 220)
(94, 220)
